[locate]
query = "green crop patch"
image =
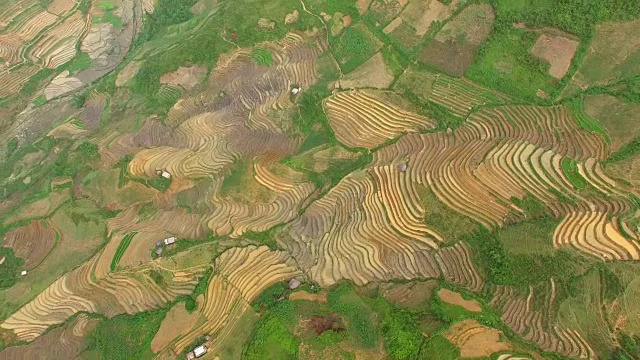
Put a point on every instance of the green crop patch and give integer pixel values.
(39, 101)
(79, 63)
(570, 169)
(585, 121)
(114, 20)
(106, 5)
(358, 315)
(124, 244)
(262, 56)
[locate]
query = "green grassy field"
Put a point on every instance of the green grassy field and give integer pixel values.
(354, 46)
(504, 63)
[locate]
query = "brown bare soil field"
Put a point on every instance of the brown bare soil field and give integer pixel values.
(421, 14)
(593, 233)
(454, 298)
(61, 7)
(198, 142)
(628, 169)
(185, 77)
(618, 117)
(454, 57)
(557, 50)
(392, 25)
(526, 313)
(338, 22)
(31, 242)
(413, 294)
(58, 44)
(363, 5)
(359, 257)
(92, 286)
(177, 322)
(611, 50)
(373, 73)
(41, 208)
(473, 24)
(68, 130)
(475, 340)
(454, 46)
(307, 296)
(385, 11)
(511, 357)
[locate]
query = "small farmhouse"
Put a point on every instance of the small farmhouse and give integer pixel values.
(170, 240)
(199, 351)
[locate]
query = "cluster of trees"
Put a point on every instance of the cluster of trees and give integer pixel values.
(9, 271)
(578, 17)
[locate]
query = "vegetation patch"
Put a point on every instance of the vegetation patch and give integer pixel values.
(10, 267)
(273, 336)
(39, 101)
(439, 345)
(505, 64)
(127, 336)
(359, 318)
(354, 46)
(521, 269)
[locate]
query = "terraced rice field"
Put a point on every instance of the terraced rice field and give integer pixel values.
(460, 96)
(361, 119)
(66, 342)
(93, 288)
(538, 324)
(241, 275)
(58, 45)
(31, 242)
(260, 185)
(34, 37)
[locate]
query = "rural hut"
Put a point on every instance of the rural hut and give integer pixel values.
(294, 283)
